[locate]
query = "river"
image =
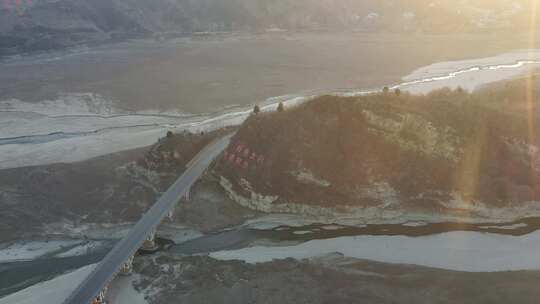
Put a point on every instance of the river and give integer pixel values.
(18, 275)
(283, 234)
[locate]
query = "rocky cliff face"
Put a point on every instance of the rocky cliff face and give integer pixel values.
(27, 26)
(385, 156)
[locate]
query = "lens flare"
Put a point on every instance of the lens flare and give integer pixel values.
(530, 98)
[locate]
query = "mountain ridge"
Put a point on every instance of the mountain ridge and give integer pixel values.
(56, 24)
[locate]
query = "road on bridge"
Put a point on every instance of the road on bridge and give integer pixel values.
(107, 269)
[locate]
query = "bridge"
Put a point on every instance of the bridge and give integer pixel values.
(92, 289)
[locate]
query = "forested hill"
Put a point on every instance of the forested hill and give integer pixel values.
(445, 153)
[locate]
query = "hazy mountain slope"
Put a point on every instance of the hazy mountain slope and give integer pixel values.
(49, 24)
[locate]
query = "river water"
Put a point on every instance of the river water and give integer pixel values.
(18, 275)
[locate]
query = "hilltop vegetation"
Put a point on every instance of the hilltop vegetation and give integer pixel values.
(448, 151)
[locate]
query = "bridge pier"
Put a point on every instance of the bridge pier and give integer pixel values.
(186, 197)
(100, 299)
(170, 215)
(149, 245)
(127, 267)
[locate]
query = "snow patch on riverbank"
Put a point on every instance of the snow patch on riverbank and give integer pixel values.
(462, 251)
(74, 129)
(61, 248)
(507, 227)
(82, 249)
(447, 67)
(66, 104)
(30, 250)
(121, 291)
(470, 74)
(98, 231)
(178, 234)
